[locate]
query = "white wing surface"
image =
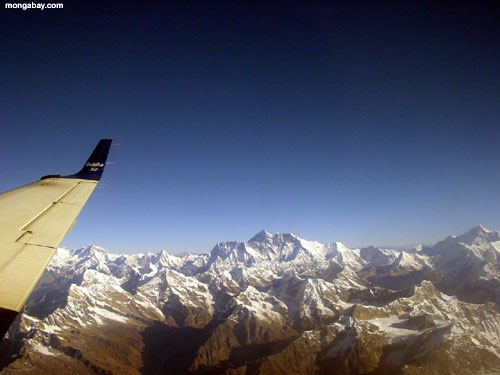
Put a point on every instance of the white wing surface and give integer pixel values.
(33, 221)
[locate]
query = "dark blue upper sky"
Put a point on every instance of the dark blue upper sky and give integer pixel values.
(352, 122)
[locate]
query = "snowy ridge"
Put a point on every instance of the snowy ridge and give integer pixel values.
(274, 288)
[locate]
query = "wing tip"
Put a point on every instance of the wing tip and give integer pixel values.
(94, 167)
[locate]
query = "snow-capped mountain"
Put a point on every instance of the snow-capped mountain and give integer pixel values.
(277, 304)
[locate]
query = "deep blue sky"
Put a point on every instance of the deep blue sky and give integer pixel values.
(358, 123)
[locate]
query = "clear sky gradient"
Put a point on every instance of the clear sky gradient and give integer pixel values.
(356, 123)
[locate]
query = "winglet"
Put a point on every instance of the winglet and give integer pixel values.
(93, 168)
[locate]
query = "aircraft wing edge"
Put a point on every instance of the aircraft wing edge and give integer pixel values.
(35, 219)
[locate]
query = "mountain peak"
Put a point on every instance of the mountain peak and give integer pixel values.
(261, 236)
(479, 229)
(90, 249)
(478, 235)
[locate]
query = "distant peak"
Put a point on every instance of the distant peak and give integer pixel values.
(93, 248)
(478, 235)
(479, 229)
(261, 236)
(475, 233)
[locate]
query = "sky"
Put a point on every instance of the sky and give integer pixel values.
(356, 122)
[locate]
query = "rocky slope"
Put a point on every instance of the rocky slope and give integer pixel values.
(277, 304)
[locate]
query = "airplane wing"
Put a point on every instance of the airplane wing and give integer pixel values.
(33, 221)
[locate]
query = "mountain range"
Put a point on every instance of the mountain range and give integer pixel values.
(276, 304)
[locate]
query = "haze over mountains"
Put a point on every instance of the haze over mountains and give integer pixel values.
(277, 304)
